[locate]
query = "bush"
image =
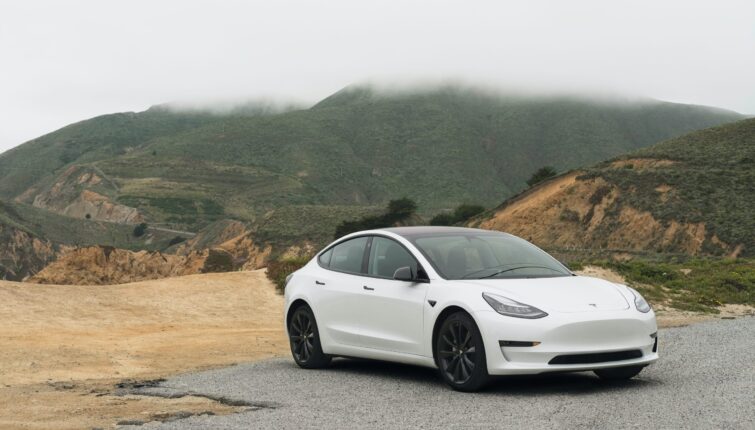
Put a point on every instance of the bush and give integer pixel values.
(218, 260)
(541, 174)
(279, 269)
(140, 229)
(460, 214)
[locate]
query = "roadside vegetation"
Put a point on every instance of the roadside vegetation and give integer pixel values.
(279, 269)
(699, 285)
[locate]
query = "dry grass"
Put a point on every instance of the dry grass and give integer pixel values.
(65, 346)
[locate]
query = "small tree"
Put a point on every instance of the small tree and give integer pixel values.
(459, 215)
(541, 174)
(400, 209)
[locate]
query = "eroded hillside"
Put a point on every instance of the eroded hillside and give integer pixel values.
(692, 195)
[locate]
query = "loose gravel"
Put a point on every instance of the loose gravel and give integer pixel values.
(704, 379)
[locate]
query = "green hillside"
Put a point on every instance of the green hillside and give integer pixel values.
(357, 148)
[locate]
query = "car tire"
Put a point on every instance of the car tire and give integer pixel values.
(618, 373)
(304, 339)
(460, 353)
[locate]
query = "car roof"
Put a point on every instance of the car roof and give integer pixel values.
(409, 232)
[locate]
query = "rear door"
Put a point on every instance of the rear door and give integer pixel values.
(341, 280)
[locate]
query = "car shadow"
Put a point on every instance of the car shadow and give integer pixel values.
(542, 384)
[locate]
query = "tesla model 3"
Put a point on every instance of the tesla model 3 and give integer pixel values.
(470, 302)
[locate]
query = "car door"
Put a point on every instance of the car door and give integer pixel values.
(340, 281)
(391, 311)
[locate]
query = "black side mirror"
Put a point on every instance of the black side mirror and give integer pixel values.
(404, 274)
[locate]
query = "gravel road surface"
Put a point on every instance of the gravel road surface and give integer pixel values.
(704, 379)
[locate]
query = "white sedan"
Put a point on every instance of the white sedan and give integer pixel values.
(470, 302)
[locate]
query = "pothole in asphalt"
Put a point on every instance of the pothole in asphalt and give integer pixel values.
(218, 405)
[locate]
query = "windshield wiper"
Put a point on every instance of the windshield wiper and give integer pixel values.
(516, 268)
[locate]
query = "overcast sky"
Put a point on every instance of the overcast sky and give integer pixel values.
(64, 61)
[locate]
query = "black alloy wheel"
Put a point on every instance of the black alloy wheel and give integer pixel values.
(305, 341)
(461, 354)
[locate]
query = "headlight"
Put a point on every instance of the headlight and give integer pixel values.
(288, 278)
(512, 308)
(639, 301)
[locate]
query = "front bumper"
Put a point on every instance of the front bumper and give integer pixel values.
(566, 334)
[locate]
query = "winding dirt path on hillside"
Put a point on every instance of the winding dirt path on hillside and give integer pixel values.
(63, 348)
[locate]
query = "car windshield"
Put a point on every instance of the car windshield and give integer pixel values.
(481, 255)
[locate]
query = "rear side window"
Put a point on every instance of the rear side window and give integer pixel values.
(386, 256)
(325, 257)
(347, 256)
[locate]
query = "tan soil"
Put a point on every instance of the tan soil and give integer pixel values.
(63, 347)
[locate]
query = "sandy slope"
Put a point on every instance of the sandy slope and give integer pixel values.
(59, 343)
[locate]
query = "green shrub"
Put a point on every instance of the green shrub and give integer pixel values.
(218, 261)
(279, 269)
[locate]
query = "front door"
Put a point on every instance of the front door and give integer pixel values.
(391, 311)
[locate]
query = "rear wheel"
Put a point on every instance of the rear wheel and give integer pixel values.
(461, 354)
(305, 339)
(619, 373)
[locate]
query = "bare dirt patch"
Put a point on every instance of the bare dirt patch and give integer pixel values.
(64, 348)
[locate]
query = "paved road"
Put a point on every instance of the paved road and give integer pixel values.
(705, 379)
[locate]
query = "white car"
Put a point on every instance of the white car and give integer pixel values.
(470, 302)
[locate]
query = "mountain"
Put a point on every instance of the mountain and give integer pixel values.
(357, 149)
(693, 194)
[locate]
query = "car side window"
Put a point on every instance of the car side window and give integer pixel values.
(325, 258)
(347, 256)
(386, 255)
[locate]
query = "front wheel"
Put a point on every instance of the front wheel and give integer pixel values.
(619, 373)
(461, 354)
(305, 339)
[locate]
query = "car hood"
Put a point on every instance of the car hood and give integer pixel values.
(560, 294)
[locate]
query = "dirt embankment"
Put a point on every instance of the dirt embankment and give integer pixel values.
(101, 265)
(225, 247)
(22, 254)
(574, 212)
(66, 347)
